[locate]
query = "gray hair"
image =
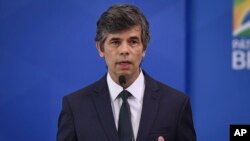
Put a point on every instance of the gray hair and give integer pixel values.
(120, 17)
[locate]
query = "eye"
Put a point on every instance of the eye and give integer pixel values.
(134, 42)
(115, 42)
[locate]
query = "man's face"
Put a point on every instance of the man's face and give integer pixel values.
(123, 52)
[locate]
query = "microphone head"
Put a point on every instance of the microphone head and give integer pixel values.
(122, 80)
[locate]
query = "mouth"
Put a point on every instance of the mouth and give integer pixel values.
(124, 65)
(124, 62)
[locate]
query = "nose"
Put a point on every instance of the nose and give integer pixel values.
(124, 49)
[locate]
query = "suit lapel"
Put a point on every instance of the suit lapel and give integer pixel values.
(149, 108)
(103, 107)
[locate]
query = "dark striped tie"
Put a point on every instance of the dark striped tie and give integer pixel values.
(125, 130)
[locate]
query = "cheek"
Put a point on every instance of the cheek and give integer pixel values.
(140, 55)
(109, 60)
(139, 59)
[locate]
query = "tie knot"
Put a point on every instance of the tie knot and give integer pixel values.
(124, 95)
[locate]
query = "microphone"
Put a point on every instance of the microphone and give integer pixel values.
(122, 81)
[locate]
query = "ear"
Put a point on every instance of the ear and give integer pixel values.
(143, 53)
(97, 44)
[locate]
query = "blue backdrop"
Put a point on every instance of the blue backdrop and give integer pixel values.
(47, 50)
(220, 95)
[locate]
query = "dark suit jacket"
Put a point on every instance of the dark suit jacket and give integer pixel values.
(87, 114)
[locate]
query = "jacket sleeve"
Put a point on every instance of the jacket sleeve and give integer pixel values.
(185, 129)
(66, 126)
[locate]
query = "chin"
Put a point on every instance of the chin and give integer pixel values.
(125, 73)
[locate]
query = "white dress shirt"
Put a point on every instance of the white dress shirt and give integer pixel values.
(137, 89)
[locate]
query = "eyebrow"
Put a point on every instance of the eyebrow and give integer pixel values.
(115, 38)
(134, 37)
(130, 38)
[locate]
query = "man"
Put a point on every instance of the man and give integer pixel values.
(151, 110)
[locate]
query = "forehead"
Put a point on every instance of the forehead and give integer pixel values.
(134, 31)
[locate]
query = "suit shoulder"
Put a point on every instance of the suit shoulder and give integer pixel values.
(87, 90)
(171, 89)
(170, 92)
(171, 96)
(162, 88)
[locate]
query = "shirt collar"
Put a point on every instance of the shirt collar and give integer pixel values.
(136, 88)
